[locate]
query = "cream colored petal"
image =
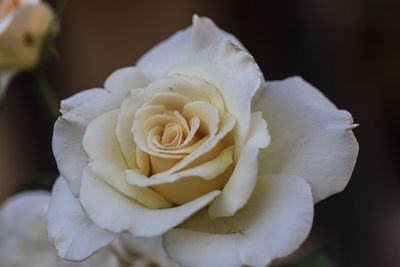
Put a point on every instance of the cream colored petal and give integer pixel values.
(201, 90)
(275, 221)
(147, 117)
(107, 162)
(161, 164)
(236, 75)
(143, 161)
(99, 201)
(207, 114)
(172, 136)
(123, 80)
(154, 120)
(191, 87)
(241, 184)
(207, 171)
(74, 234)
(227, 124)
(148, 249)
(188, 146)
(77, 111)
(180, 46)
(171, 101)
(311, 137)
(194, 127)
(135, 99)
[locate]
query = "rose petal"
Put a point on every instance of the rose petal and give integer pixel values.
(75, 236)
(107, 162)
(207, 171)
(171, 101)
(188, 146)
(189, 184)
(139, 128)
(244, 177)
(236, 75)
(78, 111)
(226, 125)
(69, 129)
(207, 113)
(180, 46)
(17, 217)
(311, 137)
(135, 99)
(150, 249)
(275, 221)
(123, 80)
(99, 201)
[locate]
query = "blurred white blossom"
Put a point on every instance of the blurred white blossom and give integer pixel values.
(24, 241)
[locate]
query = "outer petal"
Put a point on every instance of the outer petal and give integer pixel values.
(311, 137)
(121, 81)
(181, 46)
(244, 178)
(75, 236)
(274, 223)
(99, 201)
(78, 111)
(235, 73)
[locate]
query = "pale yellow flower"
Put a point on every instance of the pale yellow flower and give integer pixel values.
(194, 145)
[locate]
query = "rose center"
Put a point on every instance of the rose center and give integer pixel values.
(173, 135)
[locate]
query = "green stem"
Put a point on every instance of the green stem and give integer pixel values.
(49, 99)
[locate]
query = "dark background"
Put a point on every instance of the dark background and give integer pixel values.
(349, 49)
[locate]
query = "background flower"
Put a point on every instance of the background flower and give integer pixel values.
(251, 228)
(24, 240)
(23, 235)
(23, 25)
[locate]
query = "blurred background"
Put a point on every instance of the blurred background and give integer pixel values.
(350, 50)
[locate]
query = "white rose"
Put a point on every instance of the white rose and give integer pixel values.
(23, 25)
(23, 236)
(172, 147)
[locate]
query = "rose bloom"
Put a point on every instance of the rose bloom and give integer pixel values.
(24, 241)
(193, 145)
(23, 25)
